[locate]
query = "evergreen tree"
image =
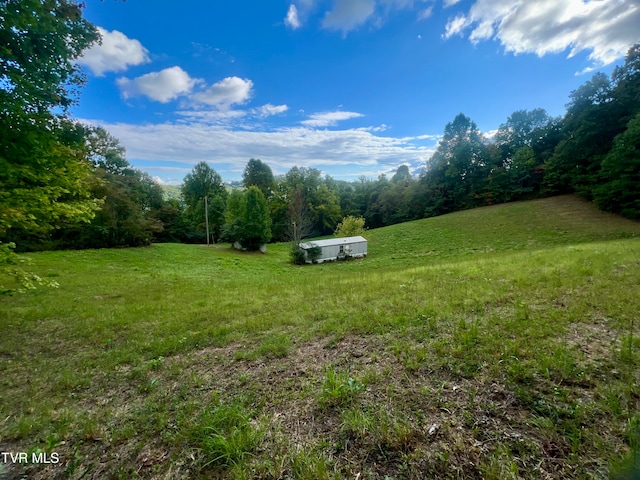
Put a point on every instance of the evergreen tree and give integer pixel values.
(203, 181)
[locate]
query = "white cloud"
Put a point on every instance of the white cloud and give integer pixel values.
(228, 91)
(490, 135)
(347, 15)
(292, 20)
(425, 13)
(605, 28)
(455, 26)
(213, 117)
(424, 137)
(227, 117)
(357, 151)
(329, 119)
(298, 13)
(450, 3)
(116, 53)
(162, 86)
(267, 110)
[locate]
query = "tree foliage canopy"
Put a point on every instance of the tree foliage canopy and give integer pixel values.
(247, 219)
(43, 170)
(259, 174)
(39, 41)
(203, 181)
(350, 226)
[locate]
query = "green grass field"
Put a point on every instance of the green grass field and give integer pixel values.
(502, 342)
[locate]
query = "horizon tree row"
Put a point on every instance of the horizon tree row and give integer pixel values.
(67, 185)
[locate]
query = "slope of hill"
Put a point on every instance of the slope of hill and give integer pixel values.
(171, 192)
(501, 342)
(532, 225)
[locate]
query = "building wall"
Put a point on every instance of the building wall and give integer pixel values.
(331, 252)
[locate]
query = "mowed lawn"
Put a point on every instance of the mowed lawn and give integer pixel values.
(501, 342)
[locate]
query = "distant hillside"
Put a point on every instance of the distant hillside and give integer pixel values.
(518, 226)
(171, 192)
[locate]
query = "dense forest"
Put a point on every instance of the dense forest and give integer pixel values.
(66, 185)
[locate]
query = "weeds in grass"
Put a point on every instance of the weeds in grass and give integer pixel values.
(338, 389)
(378, 429)
(305, 465)
(629, 467)
(275, 346)
(469, 321)
(225, 433)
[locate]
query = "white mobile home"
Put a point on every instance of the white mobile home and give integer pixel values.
(336, 248)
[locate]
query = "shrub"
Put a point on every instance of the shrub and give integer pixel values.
(350, 226)
(314, 253)
(297, 255)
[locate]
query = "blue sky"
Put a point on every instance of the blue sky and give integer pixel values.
(351, 87)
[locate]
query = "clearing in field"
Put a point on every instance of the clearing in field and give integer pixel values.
(501, 342)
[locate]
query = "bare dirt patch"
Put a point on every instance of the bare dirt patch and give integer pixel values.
(427, 422)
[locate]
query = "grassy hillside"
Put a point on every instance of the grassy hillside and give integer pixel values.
(171, 192)
(501, 342)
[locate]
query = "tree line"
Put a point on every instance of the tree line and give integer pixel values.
(67, 185)
(593, 150)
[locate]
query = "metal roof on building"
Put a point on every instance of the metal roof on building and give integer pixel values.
(333, 241)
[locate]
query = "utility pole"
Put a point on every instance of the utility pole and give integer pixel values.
(206, 217)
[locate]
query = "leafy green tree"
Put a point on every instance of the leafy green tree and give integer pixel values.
(626, 81)
(619, 191)
(324, 205)
(234, 225)
(299, 216)
(131, 201)
(42, 169)
(259, 174)
(319, 196)
(247, 219)
(170, 216)
(257, 220)
(522, 173)
(122, 220)
(306, 180)
(347, 195)
(402, 174)
(106, 152)
(278, 210)
(203, 181)
(350, 226)
(522, 129)
(39, 42)
(43, 176)
(588, 129)
(456, 175)
(375, 193)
